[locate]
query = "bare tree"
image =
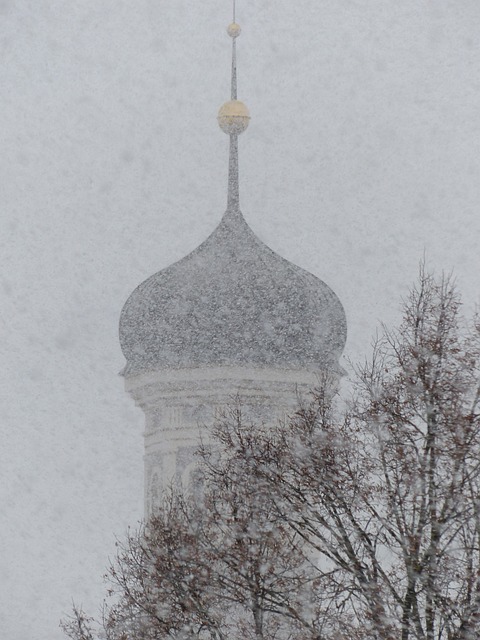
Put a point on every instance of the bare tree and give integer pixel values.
(387, 499)
(260, 567)
(419, 410)
(214, 565)
(361, 524)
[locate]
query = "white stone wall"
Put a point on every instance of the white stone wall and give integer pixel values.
(181, 404)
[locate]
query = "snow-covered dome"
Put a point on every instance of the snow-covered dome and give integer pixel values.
(232, 302)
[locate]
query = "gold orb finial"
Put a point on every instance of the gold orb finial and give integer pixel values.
(233, 117)
(234, 30)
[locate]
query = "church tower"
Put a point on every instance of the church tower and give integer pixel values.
(231, 319)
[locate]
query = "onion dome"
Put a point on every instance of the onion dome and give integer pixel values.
(232, 302)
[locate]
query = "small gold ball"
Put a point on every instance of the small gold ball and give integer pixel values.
(234, 30)
(233, 117)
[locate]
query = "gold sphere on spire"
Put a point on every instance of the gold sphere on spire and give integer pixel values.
(233, 117)
(234, 30)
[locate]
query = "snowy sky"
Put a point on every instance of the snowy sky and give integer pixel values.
(362, 154)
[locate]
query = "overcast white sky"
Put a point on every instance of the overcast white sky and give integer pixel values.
(363, 152)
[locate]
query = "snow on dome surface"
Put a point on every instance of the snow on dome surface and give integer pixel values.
(232, 302)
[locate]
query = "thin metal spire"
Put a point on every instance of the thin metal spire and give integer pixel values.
(234, 69)
(234, 60)
(233, 118)
(233, 200)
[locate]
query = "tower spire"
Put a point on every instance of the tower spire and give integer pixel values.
(233, 119)
(234, 53)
